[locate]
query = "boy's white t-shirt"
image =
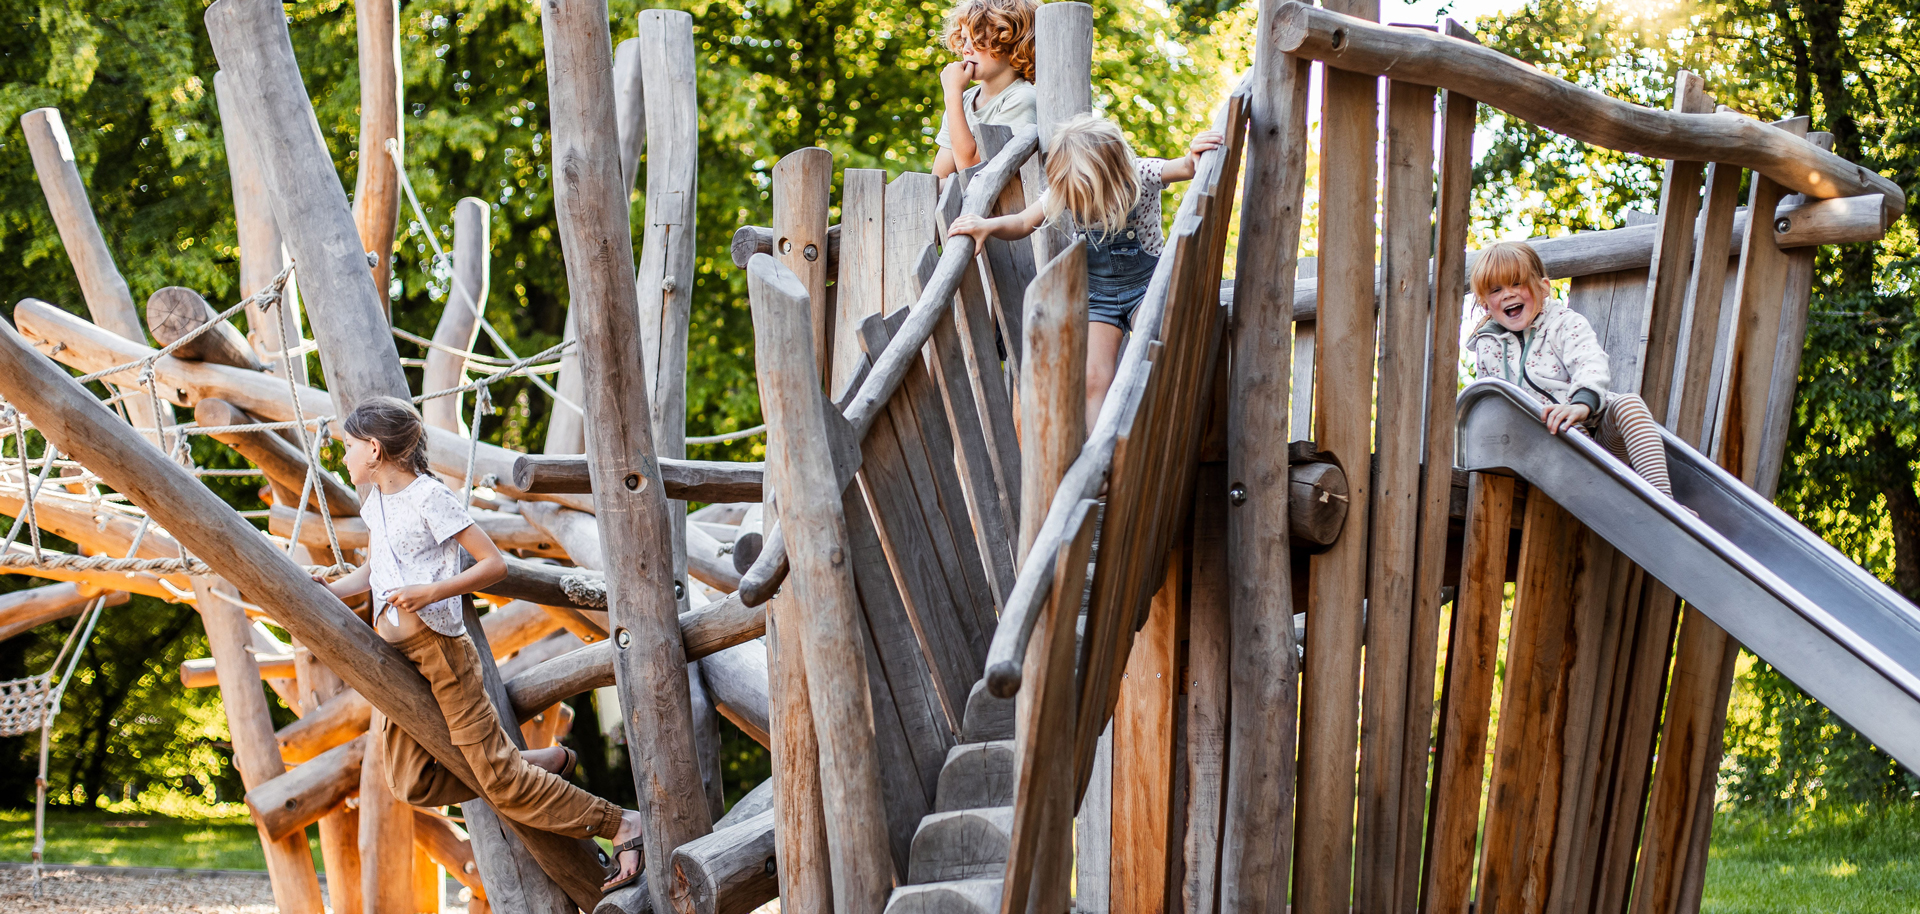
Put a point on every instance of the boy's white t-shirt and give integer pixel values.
(410, 541)
(1015, 106)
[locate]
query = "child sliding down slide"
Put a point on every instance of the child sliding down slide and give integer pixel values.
(416, 528)
(1547, 348)
(1098, 190)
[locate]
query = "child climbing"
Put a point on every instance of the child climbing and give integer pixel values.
(1098, 189)
(994, 39)
(416, 528)
(1540, 344)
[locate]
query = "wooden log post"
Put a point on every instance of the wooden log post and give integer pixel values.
(296, 887)
(802, 183)
(859, 288)
(175, 311)
(1206, 680)
(836, 659)
(339, 827)
(385, 832)
(1257, 835)
(630, 106)
(282, 463)
(732, 871)
(800, 831)
(460, 320)
(435, 835)
(1053, 418)
(108, 299)
(270, 328)
(295, 800)
(1343, 420)
(1430, 566)
(1407, 236)
(23, 610)
(376, 187)
(629, 500)
(1062, 64)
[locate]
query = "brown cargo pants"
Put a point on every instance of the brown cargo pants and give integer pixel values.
(518, 789)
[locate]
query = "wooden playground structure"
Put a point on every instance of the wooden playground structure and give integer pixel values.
(1229, 645)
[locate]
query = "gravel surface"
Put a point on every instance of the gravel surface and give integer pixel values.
(71, 892)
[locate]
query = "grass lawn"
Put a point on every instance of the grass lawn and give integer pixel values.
(1856, 861)
(100, 838)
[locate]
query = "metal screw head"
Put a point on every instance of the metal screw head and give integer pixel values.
(771, 867)
(633, 482)
(623, 638)
(1783, 225)
(679, 591)
(1237, 495)
(786, 246)
(810, 252)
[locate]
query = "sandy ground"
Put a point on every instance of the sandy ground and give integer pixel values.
(71, 892)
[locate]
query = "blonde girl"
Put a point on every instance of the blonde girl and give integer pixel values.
(416, 528)
(1538, 343)
(1098, 189)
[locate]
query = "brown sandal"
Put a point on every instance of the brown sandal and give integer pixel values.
(631, 844)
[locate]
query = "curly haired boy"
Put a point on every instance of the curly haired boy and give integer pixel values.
(994, 39)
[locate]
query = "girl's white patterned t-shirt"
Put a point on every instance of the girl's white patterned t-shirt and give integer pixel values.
(411, 541)
(1144, 221)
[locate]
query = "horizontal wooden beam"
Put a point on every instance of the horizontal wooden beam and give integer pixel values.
(749, 240)
(712, 481)
(1428, 58)
(198, 673)
(312, 789)
(508, 531)
(704, 631)
(23, 610)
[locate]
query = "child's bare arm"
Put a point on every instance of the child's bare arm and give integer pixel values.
(1182, 169)
(943, 167)
(953, 85)
(1013, 227)
(488, 568)
(352, 585)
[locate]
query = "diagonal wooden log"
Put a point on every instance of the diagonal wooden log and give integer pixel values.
(460, 320)
(630, 503)
(175, 311)
(297, 799)
(282, 463)
(1420, 56)
(75, 421)
(22, 610)
(271, 328)
(510, 532)
(106, 293)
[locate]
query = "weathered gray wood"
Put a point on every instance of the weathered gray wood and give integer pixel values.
(256, 754)
(300, 797)
(108, 299)
(376, 188)
(964, 896)
(861, 287)
(803, 182)
(1317, 500)
(1698, 361)
(460, 319)
(706, 562)
(1053, 420)
(973, 324)
(686, 480)
(23, 610)
(250, 39)
(977, 775)
(1208, 687)
(911, 201)
(1093, 834)
(282, 463)
(630, 503)
(1011, 264)
(987, 511)
(175, 311)
(630, 106)
(630, 899)
(800, 830)
(739, 681)
(835, 656)
(271, 328)
(1400, 424)
(1421, 56)
(964, 844)
(731, 871)
(749, 240)
(1062, 64)
(1343, 425)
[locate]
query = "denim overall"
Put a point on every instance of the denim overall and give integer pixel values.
(1117, 274)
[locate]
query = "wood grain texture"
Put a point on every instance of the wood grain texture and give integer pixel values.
(1342, 415)
(910, 203)
(1257, 834)
(712, 481)
(630, 106)
(1143, 750)
(1053, 418)
(1208, 687)
(1400, 426)
(1417, 55)
(386, 833)
(22, 610)
(731, 871)
(460, 320)
(310, 790)
(376, 185)
(175, 311)
(1695, 363)
(1453, 824)
(285, 467)
(861, 286)
(630, 504)
(346, 308)
(270, 328)
(1672, 261)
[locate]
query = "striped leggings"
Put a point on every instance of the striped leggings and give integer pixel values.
(1628, 431)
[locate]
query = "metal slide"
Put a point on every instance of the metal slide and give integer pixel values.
(1835, 630)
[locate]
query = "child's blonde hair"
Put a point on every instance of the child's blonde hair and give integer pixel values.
(1090, 175)
(1001, 27)
(1507, 263)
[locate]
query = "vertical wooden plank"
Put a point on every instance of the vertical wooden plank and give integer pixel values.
(804, 180)
(1143, 747)
(1673, 251)
(1209, 658)
(1454, 823)
(1062, 64)
(591, 202)
(1093, 834)
(1011, 264)
(800, 830)
(861, 281)
(256, 753)
(1688, 398)
(1401, 422)
(910, 206)
(339, 829)
(1343, 420)
(799, 456)
(386, 831)
(1053, 419)
(973, 318)
(376, 187)
(1263, 664)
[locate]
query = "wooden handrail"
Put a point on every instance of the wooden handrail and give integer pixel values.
(1420, 56)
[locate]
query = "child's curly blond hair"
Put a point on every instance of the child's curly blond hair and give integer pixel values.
(1002, 27)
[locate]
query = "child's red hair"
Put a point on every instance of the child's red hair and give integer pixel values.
(1002, 27)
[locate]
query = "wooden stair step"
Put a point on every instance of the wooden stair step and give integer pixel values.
(976, 775)
(987, 717)
(962, 844)
(964, 896)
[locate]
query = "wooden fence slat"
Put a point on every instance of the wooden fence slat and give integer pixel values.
(973, 318)
(1208, 678)
(1143, 751)
(1673, 252)
(910, 203)
(860, 286)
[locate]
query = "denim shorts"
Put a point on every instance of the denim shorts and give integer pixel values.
(1118, 271)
